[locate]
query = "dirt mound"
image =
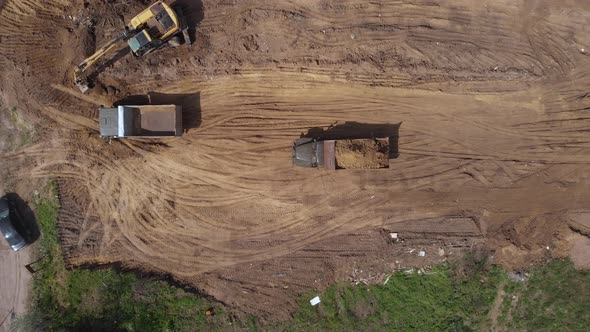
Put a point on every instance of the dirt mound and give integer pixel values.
(580, 252)
(362, 153)
(579, 221)
(493, 142)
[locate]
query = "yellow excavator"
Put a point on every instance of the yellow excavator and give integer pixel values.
(155, 27)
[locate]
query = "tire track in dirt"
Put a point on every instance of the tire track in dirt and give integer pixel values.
(490, 106)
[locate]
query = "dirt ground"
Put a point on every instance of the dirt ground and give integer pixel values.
(15, 282)
(487, 102)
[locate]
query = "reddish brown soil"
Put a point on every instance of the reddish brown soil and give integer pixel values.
(493, 144)
(362, 154)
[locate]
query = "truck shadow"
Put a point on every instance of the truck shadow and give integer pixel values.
(357, 130)
(191, 105)
(26, 223)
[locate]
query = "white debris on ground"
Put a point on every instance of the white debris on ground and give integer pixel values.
(421, 253)
(393, 236)
(387, 280)
(315, 301)
(518, 276)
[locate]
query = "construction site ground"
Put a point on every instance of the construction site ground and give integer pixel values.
(486, 103)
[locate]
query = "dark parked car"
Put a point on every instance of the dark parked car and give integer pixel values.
(8, 217)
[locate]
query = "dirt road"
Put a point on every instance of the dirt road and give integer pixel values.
(487, 102)
(15, 282)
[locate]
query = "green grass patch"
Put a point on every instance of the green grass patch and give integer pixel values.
(555, 298)
(15, 130)
(408, 302)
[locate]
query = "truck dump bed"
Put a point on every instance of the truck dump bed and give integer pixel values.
(356, 154)
(341, 154)
(141, 121)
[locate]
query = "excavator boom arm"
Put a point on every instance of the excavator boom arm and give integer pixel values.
(80, 73)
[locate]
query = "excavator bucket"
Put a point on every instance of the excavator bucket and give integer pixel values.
(183, 26)
(187, 38)
(82, 85)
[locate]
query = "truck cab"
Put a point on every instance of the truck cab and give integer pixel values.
(308, 152)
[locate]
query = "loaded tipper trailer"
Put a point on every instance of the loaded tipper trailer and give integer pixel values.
(141, 121)
(341, 154)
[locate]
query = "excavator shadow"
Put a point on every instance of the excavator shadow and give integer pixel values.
(92, 78)
(357, 130)
(193, 12)
(191, 105)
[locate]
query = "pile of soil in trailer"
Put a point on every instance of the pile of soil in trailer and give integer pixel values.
(362, 154)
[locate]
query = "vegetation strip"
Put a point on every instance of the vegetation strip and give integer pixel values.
(450, 297)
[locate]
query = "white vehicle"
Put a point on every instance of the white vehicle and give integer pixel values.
(141, 121)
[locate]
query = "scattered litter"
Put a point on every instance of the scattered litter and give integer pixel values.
(518, 276)
(410, 271)
(352, 36)
(314, 301)
(372, 196)
(210, 312)
(496, 68)
(421, 253)
(386, 280)
(393, 235)
(583, 50)
(547, 247)
(411, 251)
(441, 252)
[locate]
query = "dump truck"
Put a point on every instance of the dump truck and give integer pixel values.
(364, 153)
(141, 121)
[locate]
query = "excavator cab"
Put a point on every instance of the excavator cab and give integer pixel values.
(139, 42)
(157, 24)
